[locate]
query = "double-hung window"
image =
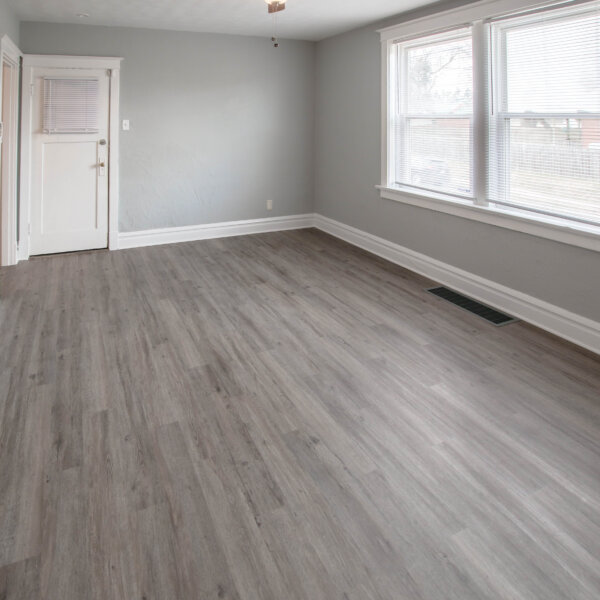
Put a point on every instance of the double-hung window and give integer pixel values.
(498, 114)
(545, 134)
(433, 113)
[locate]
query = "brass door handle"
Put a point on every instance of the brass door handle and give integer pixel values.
(101, 164)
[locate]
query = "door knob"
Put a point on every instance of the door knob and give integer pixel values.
(101, 164)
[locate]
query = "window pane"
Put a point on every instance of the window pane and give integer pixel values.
(554, 65)
(440, 77)
(431, 134)
(439, 154)
(555, 165)
(549, 163)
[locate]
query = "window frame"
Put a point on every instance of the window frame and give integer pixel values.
(479, 208)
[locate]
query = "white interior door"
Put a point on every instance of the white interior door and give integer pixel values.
(70, 145)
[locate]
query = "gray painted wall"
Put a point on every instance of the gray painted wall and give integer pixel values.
(219, 124)
(347, 167)
(9, 24)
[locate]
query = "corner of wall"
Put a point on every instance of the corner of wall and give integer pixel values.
(9, 22)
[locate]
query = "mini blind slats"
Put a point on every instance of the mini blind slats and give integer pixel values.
(545, 133)
(553, 66)
(71, 105)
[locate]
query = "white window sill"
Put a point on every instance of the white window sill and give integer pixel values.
(575, 234)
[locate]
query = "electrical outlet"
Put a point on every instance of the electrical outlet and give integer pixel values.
(269, 204)
(125, 124)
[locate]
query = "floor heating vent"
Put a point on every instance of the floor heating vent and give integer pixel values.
(481, 310)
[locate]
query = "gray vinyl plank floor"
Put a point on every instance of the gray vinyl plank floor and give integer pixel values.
(285, 417)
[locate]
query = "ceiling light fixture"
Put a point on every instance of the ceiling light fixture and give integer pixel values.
(275, 6)
(83, 15)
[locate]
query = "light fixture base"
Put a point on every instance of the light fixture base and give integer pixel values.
(276, 6)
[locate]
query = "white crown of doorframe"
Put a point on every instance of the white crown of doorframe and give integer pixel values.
(72, 62)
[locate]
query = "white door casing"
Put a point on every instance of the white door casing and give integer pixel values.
(58, 170)
(9, 107)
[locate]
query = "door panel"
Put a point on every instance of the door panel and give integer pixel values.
(66, 205)
(69, 196)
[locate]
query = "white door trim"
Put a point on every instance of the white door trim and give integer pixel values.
(31, 61)
(10, 54)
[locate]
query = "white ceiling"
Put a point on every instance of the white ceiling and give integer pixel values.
(302, 19)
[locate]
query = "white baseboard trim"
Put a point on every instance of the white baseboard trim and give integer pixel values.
(570, 326)
(192, 233)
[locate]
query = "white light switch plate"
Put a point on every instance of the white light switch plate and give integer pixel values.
(125, 124)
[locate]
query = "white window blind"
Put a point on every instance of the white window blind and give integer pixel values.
(71, 105)
(432, 113)
(545, 123)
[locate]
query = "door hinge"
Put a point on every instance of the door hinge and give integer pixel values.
(31, 86)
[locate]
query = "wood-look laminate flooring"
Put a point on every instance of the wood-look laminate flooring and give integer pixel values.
(285, 417)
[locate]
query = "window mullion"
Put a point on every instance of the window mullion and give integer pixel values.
(402, 112)
(479, 146)
(499, 125)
